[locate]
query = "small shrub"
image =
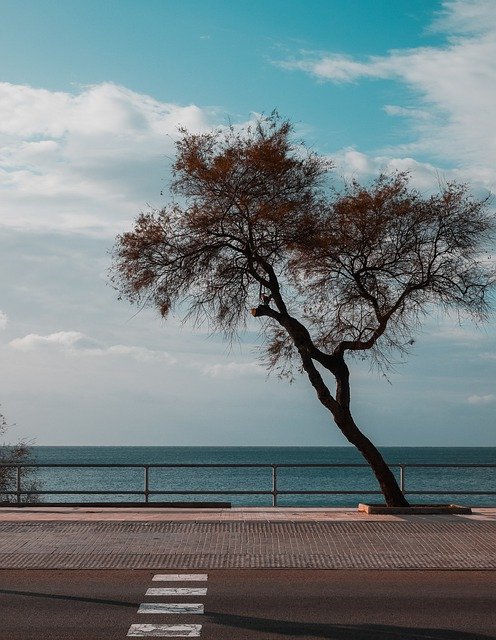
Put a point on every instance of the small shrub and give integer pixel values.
(17, 453)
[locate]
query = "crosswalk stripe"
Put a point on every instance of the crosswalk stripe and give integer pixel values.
(170, 607)
(164, 630)
(176, 591)
(181, 577)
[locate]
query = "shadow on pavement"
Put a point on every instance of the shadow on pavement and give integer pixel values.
(56, 596)
(288, 628)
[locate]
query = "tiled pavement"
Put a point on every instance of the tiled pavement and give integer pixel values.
(264, 538)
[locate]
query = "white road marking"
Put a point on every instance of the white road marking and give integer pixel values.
(181, 577)
(170, 607)
(176, 591)
(165, 630)
(171, 630)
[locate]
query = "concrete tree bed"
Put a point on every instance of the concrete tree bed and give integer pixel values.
(415, 509)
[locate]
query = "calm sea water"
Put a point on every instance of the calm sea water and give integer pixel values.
(357, 480)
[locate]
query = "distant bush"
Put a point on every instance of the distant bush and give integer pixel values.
(20, 453)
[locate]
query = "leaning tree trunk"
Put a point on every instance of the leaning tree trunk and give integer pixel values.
(389, 486)
(342, 416)
(340, 410)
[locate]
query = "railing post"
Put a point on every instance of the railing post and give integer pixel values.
(402, 478)
(274, 485)
(146, 483)
(18, 484)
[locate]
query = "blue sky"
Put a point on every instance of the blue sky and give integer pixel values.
(91, 96)
(217, 54)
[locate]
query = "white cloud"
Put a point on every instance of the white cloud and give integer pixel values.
(85, 162)
(232, 369)
(64, 339)
(351, 163)
(488, 399)
(460, 329)
(339, 68)
(77, 343)
(453, 87)
(466, 16)
(106, 109)
(407, 112)
(141, 354)
(3, 320)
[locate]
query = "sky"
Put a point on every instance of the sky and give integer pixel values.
(92, 94)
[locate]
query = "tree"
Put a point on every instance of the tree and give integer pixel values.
(11, 454)
(334, 274)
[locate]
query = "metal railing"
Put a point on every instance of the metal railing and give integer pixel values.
(274, 491)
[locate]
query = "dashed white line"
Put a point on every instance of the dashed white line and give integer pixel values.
(170, 607)
(165, 630)
(181, 577)
(176, 591)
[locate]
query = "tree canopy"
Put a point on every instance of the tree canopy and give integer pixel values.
(258, 226)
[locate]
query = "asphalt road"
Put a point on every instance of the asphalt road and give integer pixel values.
(248, 603)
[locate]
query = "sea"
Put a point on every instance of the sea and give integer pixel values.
(358, 482)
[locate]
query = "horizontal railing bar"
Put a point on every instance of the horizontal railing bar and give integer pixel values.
(76, 492)
(177, 465)
(288, 493)
(450, 492)
(391, 464)
(242, 492)
(183, 465)
(470, 465)
(140, 493)
(258, 492)
(211, 493)
(326, 493)
(208, 465)
(140, 466)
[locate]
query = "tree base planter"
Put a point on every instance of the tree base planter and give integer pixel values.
(414, 509)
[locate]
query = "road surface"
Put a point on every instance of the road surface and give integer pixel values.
(249, 603)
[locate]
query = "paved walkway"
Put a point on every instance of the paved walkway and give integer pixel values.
(234, 514)
(66, 538)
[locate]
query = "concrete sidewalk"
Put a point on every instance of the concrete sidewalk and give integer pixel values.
(99, 538)
(234, 514)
